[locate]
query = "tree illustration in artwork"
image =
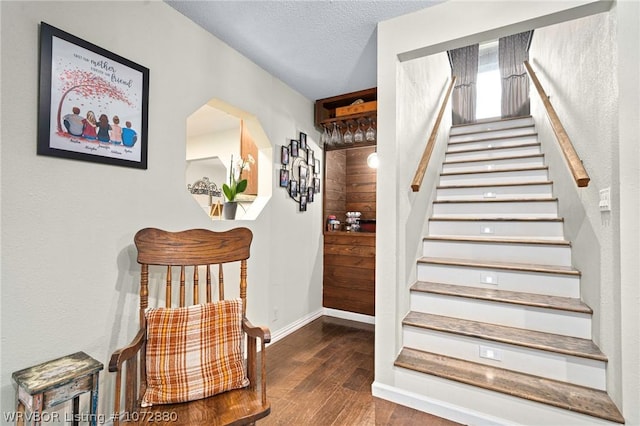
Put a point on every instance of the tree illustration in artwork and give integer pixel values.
(87, 85)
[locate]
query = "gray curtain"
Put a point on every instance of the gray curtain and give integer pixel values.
(464, 66)
(512, 52)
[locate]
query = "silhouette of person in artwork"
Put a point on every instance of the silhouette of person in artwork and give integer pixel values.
(103, 128)
(89, 131)
(73, 122)
(129, 136)
(116, 131)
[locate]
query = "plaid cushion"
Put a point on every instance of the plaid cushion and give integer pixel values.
(194, 352)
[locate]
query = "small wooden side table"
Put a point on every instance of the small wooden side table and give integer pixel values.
(54, 382)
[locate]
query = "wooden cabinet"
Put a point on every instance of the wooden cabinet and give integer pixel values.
(350, 272)
(349, 185)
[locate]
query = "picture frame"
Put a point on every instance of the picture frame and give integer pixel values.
(303, 140)
(310, 158)
(304, 171)
(316, 185)
(284, 155)
(303, 185)
(303, 203)
(316, 167)
(310, 192)
(294, 147)
(284, 178)
(93, 103)
(293, 188)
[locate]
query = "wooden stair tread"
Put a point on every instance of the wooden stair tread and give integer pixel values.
(563, 395)
(555, 343)
(483, 185)
(499, 240)
(522, 126)
(509, 266)
(504, 296)
(495, 138)
(494, 148)
(496, 200)
(495, 219)
(508, 157)
(514, 169)
(490, 120)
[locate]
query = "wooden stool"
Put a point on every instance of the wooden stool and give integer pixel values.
(54, 382)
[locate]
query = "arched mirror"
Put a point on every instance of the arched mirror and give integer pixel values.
(225, 147)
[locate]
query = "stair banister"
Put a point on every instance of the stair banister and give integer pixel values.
(571, 156)
(426, 155)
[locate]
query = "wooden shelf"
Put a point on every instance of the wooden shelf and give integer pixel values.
(325, 115)
(349, 146)
(325, 109)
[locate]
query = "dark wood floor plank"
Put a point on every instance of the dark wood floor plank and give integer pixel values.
(322, 374)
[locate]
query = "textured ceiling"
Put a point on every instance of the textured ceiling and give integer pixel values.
(319, 48)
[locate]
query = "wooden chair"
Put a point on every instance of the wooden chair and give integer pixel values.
(186, 251)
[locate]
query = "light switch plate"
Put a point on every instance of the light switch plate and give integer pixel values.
(605, 200)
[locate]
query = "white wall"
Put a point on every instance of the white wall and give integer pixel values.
(421, 85)
(69, 275)
(576, 63)
(458, 23)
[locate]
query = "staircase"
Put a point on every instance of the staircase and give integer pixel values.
(496, 311)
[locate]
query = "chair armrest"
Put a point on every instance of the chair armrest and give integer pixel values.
(128, 352)
(262, 333)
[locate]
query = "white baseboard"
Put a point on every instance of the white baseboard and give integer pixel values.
(283, 332)
(433, 406)
(367, 319)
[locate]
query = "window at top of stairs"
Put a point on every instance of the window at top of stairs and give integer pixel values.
(488, 83)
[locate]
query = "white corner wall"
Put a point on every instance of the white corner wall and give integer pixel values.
(458, 23)
(68, 272)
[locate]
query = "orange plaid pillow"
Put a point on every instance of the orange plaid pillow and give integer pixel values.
(194, 352)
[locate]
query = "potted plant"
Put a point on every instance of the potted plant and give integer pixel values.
(236, 185)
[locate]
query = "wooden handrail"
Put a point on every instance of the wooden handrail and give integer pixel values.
(571, 156)
(426, 155)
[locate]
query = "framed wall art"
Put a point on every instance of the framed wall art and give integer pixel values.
(299, 170)
(93, 104)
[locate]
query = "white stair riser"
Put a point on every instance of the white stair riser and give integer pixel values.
(499, 279)
(492, 134)
(538, 254)
(511, 315)
(541, 190)
(497, 164)
(500, 209)
(550, 230)
(481, 154)
(491, 143)
(567, 368)
(513, 176)
(479, 406)
(492, 125)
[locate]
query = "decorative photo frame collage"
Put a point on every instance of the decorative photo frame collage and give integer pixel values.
(300, 171)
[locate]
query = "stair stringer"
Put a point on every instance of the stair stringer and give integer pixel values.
(470, 404)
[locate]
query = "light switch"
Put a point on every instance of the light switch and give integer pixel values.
(605, 200)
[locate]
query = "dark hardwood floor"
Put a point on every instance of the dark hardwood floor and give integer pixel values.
(322, 374)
